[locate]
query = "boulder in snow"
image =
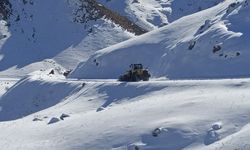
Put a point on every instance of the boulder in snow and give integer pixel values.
(37, 119)
(217, 126)
(64, 116)
(53, 120)
(156, 132)
(100, 109)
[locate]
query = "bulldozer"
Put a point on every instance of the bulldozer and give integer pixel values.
(135, 73)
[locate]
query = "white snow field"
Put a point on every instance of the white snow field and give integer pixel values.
(197, 98)
(106, 114)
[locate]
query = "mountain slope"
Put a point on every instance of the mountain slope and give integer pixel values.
(36, 33)
(46, 110)
(208, 44)
(37, 36)
(152, 14)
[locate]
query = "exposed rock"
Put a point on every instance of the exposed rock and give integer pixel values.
(191, 44)
(53, 120)
(156, 132)
(5, 9)
(91, 10)
(217, 126)
(37, 119)
(64, 116)
(217, 48)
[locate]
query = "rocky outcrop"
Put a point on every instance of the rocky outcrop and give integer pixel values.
(118, 19)
(87, 10)
(5, 9)
(92, 10)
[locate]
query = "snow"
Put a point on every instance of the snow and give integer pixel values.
(44, 33)
(185, 111)
(170, 52)
(5, 84)
(151, 14)
(197, 98)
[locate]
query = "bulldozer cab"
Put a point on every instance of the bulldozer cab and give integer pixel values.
(136, 66)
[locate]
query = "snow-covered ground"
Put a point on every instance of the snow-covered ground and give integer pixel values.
(185, 114)
(6, 84)
(90, 110)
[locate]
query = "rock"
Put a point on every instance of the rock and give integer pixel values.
(100, 109)
(232, 6)
(156, 132)
(37, 119)
(211, 137)
(66, 73)
(53, 120)
(137, 148)
(237, 53)
(217, 48)
(52, 72)
(64, 116)
(191, 44)
(205, 26)
(217, 126)
(83, 85)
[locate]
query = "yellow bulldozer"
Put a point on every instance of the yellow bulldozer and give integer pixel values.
(135, 73)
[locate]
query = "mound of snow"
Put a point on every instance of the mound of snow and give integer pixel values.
(209, 44)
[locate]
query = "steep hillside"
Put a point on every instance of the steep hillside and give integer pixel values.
(209, 44)
(37, 36)
(152, 14)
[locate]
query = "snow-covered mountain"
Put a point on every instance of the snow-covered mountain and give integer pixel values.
(38, 36)
(41, 109)
(152, 14)
(208, 44)
(45, 34)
